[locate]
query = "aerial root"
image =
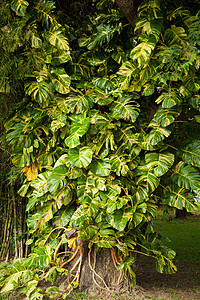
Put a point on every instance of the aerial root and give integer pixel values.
(72, 257)
(114, 258)
(95, 273)
(56, 251)
(121, 276)
(79, 264)
(115, 261)
(75, 265)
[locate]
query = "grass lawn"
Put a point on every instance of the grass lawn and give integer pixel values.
(184, 235)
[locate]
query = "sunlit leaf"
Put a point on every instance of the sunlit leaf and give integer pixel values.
(180, 198)
(80, 158)
(101, 167)
(160, 162)
(186, 176)
(125, 108)
(169, 99)
(61, 81)
(40, 91)
(19, 7)
(120, 218)
(190, 152)
(78, 129)
(147, 176)
(58, 39)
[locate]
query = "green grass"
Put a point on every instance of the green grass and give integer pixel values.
(184, 235)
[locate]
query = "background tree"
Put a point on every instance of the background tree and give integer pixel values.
(106, 130)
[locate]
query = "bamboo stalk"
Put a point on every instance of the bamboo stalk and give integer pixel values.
(4, 234)
(15, 226)
(7, 235)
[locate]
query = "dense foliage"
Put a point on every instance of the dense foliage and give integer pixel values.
(107, 123)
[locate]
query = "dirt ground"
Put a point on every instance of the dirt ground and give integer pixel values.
(184, 284)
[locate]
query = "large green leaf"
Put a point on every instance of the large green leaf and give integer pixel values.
(75, 103)
(91, 205)
(41, 216)
(78, 129)
(141, 53)
(40, 257)
(125, 108)
(58, 39)
(120, 218)
(166, 116)
(44, 13)
(60, 57)
(160, 162)
(13, 281)
(40, 91)
(119, 164)
(180, 198)
(126, 135)
(34, 38)
(101, 167)
(59, 172)
(106, 242)
(78, 217)
(195, 101)
(169, 99)
(63, 216)
(192, 83)
(99, 96)
(80, 158)
(152, 24)
(94, 183)
(72, 141)
(148, 71)
(117, 203)
(104, 34)
(87, 231)
(190, 152)
(156, 135)
(61, 81)
(175, 35)
(113, 190)
(40, 184)
(19, 7)
(186, 176)
(127, 68)
(141, 192)
(62, 196)
(56, 178)
(148, 177)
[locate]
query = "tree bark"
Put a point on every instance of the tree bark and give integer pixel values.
(129, 9)
(98, 274)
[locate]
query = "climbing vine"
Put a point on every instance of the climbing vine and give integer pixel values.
(105, 131)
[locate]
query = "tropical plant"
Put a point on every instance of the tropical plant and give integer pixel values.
(107, 126)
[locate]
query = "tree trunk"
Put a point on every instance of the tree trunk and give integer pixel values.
(129, 9)
(98, 274)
